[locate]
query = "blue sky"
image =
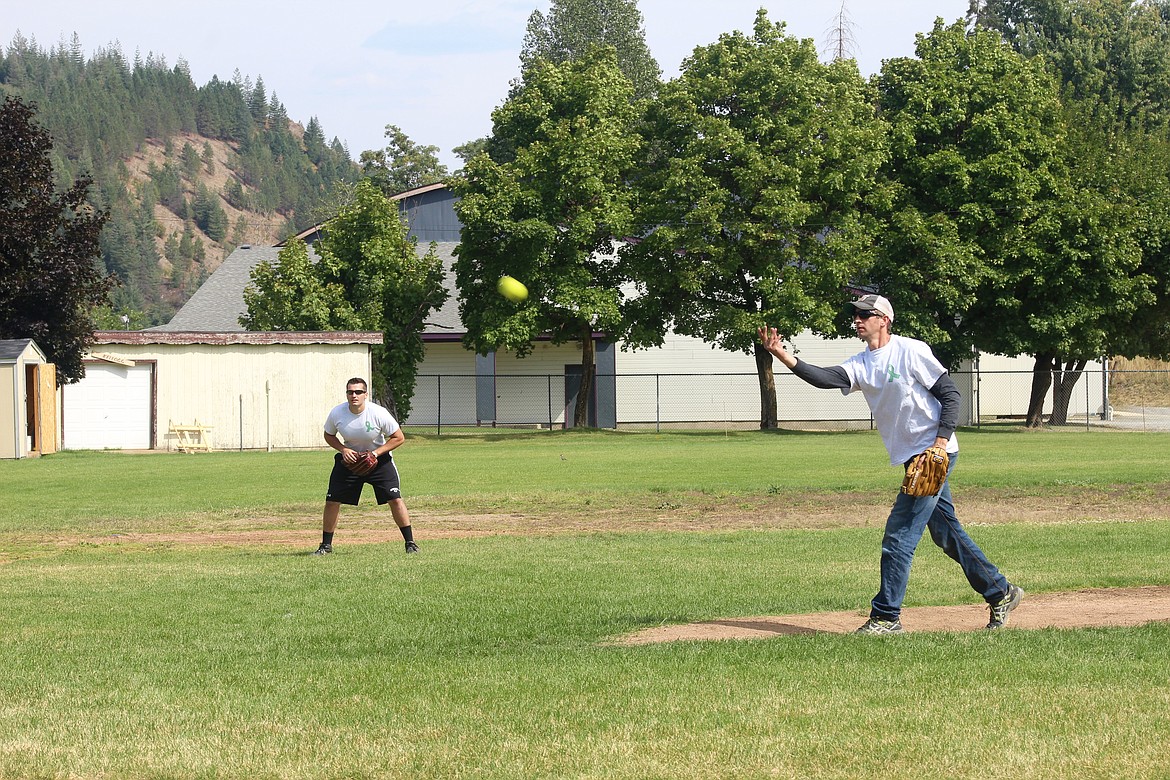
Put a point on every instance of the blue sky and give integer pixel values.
(436, 69)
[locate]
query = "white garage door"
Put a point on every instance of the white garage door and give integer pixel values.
(108, 409)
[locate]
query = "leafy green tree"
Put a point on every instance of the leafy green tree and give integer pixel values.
(549, 212)
(369, 277)
(1108, 55)
(403, 165)
(107, 317)
(470, 149)
(50, 281)
(753, 187)
(992, 242)
(571, 27)
(1112, 61)
(294, 295)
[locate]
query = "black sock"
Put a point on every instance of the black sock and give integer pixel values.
(407, 533)
(327, 538)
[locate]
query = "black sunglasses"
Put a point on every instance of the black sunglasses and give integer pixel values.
(355, 392)
(865, 315)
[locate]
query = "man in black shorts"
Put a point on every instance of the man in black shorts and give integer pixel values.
(353, 428)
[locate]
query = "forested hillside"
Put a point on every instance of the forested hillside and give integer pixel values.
(187, 172)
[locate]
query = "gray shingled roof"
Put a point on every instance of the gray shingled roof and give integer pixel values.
(11, 349)
(218, 304)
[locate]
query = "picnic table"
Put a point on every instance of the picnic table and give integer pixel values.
(192, 438)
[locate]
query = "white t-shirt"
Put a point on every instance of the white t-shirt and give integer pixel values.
(896, 381)
(364, 431)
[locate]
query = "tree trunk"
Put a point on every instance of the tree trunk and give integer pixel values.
(1063, 383)
(767, 379)
(588, 370)
(1041, 381)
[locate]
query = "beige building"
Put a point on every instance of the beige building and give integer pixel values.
(28, 409)
(227, 391)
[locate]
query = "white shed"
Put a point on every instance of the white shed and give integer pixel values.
(28, 409)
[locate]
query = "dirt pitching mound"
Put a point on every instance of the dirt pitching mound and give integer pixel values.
(1076, 609)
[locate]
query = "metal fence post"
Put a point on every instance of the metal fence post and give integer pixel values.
(439, 405)
(1086, 383)
(657, 404)
(978, 394)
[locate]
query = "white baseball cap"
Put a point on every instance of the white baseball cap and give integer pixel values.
(875, 303)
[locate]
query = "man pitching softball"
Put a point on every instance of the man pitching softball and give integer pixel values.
(915, 405)
(363, 433)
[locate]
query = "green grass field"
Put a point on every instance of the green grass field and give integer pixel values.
(199, 648)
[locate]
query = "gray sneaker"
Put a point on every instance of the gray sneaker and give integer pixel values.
(324, 549)
(1002, 608)
(878, 626)
(411, 547)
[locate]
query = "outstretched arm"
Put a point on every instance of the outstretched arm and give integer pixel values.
(833, 378)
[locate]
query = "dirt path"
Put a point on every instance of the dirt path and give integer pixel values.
(1077, 609)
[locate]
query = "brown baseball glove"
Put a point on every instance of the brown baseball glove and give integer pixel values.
(926, 473)
(365, 463)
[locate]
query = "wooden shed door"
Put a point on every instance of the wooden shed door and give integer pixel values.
(41, 412)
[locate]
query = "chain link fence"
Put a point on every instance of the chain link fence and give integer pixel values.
(451, 404)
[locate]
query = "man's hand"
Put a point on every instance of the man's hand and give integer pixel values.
(774, 343)
(364, 464)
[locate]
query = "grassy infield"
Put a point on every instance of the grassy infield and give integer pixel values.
(486, 657)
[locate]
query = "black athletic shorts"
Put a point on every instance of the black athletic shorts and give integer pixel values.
(345, 487)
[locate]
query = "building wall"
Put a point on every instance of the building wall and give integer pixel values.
(1005, 385)
(684, 380)
(256, 396)
(522, 391)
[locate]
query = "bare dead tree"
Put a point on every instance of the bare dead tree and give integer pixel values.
(840, 42)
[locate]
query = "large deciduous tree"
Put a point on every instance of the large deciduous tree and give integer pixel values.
(991, 241)
(1112, 61)
(1109, 56)
(369, 276)
(50, 254)
(545, 206)
(754, 186)
(571, 27)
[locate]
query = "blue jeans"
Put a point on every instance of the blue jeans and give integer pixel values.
(908, 519)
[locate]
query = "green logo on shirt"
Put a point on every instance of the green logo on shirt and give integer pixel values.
(369, 427)
(891, 374)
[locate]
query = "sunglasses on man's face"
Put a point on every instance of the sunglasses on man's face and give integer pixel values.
(355, 392)
(865, 315)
